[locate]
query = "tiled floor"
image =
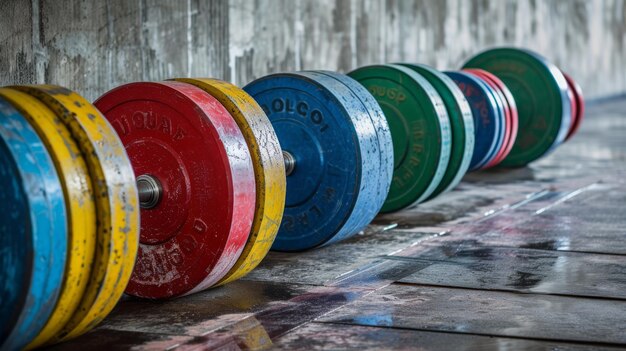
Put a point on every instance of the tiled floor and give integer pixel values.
(533, 258)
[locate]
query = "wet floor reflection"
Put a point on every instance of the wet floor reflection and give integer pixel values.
(492, 313)
(470, 264)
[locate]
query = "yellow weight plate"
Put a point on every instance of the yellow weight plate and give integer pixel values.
(269, 170)
(78, 193)
(117, 204)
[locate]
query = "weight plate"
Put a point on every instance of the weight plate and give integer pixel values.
(566, 121)
(420, 130)
(540, 91)
(269, 170)
(573, 107)
(515, 123)
(507, 123)
(579, 101)
(117, 207)
(486, 116)
(16, 251)
(313, 126)
(372, 182)
(33, 230)
(383, 134)
(184, 138)
(78, 194)
(461, 126)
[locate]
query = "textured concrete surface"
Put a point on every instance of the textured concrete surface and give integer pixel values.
(92, 46)
(530, 258)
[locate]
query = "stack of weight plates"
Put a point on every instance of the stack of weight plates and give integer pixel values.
(69, 216)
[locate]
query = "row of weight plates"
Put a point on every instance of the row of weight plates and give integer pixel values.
(69, 214)
(290, 162)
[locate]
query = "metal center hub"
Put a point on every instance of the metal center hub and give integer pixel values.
(150, 191)
(290, 162)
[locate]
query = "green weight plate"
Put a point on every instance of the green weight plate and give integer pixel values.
(540, 92)
(461, 125)
(420, 130)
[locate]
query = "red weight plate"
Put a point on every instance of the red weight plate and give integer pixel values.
(488, 78)
(579, 102)
(514, 119)
(183, 137)
(511, 111)
(574, 108)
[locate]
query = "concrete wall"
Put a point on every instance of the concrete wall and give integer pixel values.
(94, 45)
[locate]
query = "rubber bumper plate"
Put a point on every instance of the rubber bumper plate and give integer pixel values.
(578, 110)
(487, 117)
(194, 168)
(327, 137)
(383, 134)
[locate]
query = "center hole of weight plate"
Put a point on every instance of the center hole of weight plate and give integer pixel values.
(150, 191)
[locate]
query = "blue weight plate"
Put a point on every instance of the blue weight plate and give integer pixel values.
(566, 119)
(373, 183)
(486, 119)
(383, 133)
(16, 252)
(498, 122)
(313, 125)
(34, 229)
